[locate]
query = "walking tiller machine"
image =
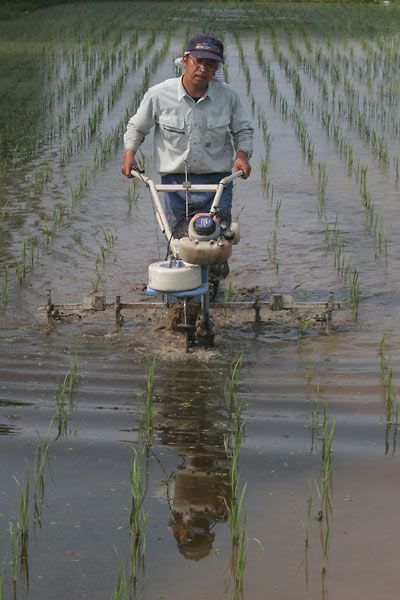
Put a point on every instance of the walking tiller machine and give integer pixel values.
(189, 276)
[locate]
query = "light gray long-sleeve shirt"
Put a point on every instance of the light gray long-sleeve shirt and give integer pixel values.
(202, 134)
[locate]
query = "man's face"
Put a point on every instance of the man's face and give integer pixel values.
(199, 70)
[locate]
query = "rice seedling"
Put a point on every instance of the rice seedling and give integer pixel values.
(19, 533)
(23, 515)
(322, 185)
(40, 463)
(63, 398)
(309, 371)
(272, 250)
(327, 468)
(121, 591)
(277, 211)
(12, 531)
(387, 332)
(306, 524)
(235, 507)
(355, 292)
(132, 195)
(62, 412)
(238, 561)
(232, 384)
(4, 288)
(326, 536)
(304, 322)
(4, 214)
(146, 422)
(230, 295)
(137, 520)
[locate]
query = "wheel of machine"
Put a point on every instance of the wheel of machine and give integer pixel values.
(174, 276)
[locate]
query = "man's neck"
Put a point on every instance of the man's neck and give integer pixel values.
(195, 91)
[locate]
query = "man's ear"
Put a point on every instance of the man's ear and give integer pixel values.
(185, 59)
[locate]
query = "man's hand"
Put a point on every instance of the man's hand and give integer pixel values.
(129, 163)
(242, 164)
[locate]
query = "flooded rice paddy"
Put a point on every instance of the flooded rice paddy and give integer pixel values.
(267, 467)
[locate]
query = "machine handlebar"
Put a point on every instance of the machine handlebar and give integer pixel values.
(209, 187)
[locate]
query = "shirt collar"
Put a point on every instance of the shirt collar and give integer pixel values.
(182, 92)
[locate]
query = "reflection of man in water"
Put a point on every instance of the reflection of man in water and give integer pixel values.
(198, 499)
(192, 426)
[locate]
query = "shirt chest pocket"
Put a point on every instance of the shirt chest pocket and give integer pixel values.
(217, 129)
(172, 125)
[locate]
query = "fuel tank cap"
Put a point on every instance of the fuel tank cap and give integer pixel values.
(204, 224)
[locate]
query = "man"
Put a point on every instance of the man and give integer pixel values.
(201, 130)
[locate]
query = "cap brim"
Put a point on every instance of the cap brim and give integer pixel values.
(210, 55)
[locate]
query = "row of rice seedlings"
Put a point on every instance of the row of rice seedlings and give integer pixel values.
(43, 54)
(108, 143)
(374, 219)
(266, 68)
(126, 585)
(133, 195)
(98, 66)
(291, 72)
(307, 145)
(325, 512)
(360, 119)
(303, 136)
(19, 533)
(235, 501)
(378, 144)
(82, 134)
(341, 262)
(324, 427)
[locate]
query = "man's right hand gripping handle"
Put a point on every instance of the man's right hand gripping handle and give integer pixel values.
(128, 163)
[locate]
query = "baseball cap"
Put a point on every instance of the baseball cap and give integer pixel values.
(203, 45)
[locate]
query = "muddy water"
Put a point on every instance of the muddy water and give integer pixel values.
(82, 538)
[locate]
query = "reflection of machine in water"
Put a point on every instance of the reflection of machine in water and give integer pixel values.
(199, 487)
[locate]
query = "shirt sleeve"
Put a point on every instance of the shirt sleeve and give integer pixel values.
(140, 124)
(241, 127)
